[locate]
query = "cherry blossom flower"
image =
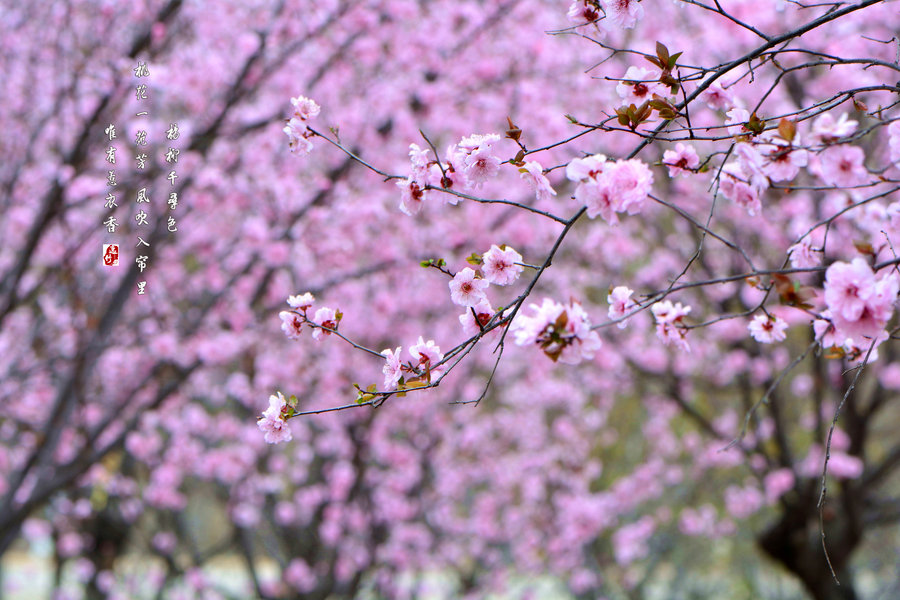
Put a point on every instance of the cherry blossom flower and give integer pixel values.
(483, 312)
(534, 174)
(894, 142)
(500, 265)
(272, 422)
(325, 317)
(803, 256)
(683, 160)
(826, 130)
(669, 323)
(782, 160)
(466, 289)
(412, 196)
(301, 301)
(737, 118)
(631, 179)
(426, 354)
(842, 166)
(298, 136)
(638, 85)
(392, 368)
(620, 303)
(583, 11)
(291, 324)
(717, 97)
(624, 13)
(481, 165)
(860, 304)
(304, 108)
(766, 330)
(606, 188)
(562, 331)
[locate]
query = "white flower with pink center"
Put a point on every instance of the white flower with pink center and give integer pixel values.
(412, 196)
(737, 118)
(481, 165)
(766, 330)
(501, 266)
(298, 136)
(425, 354)
(304, 108)
(534, 174)
(670, 327)
(683, 160)
(301, 301)
(827, 130)
(324, 317)
(860, 304)
(620, 303)
(392, 368)
(466, 289)
(291, 324)
(272, 422)
(803, 255)
(483, 312)
(624, 13)
(842, 166)
(638, 85)
(583, 11)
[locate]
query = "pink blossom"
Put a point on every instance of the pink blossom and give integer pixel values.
(638, 85)
(630, 541)
(842, 166)
(563, 332)
(291, 324)
(737, 118)
(777, 483)
(304, 108)
(782, 160)
(298, 136)
(717, 97)
(620, 303)
(466, 289)
(826, 130)
(324, 317)
(766, 330)
(501, 266)
(582, 169)
(483, 312)
(632, 180)
(743, 502)
(301, 301)
(860, 304)
(425, 354)
(392, 368)
(624, 13)
(683, 160)
(844, 466)
(299, 576)
(669, 323)
(412, 196)
(481, 165)
(803, 255)
(894, 142)
(272, 422)
(534, 174)
(583, 11)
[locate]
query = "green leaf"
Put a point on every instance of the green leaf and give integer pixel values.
(474, 259)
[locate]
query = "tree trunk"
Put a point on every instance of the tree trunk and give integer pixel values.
(795, 541)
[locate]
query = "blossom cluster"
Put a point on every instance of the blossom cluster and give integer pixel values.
(670, 325)
(296, 129)
(321, 322)
(859, 304)
(500, 265)
(607, 188)
(274, 420)
(563, 331)
(466, 165)
(424, 362)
